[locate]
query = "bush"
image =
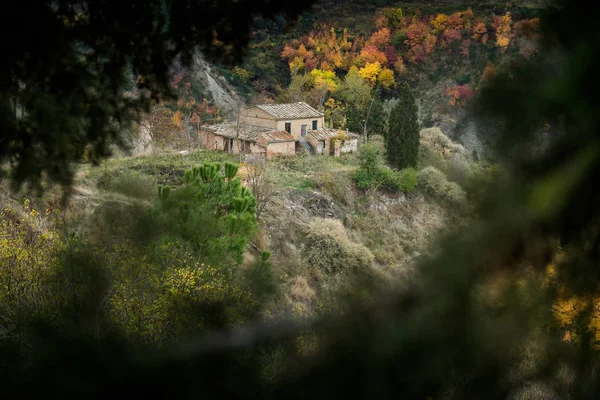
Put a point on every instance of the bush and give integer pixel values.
(329, 249)
(407, 179)
(435, 139)
(434, 182)
(29, 255)
(336, 185)
(373, 175)
(459, 170)
(133, 184)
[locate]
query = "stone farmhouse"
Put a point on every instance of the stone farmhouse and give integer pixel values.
(270, 130)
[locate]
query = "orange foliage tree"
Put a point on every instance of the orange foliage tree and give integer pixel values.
(323, 49)
(458, 94)
(370, 54)
(420, 41)
(380, 39)
(480, 31)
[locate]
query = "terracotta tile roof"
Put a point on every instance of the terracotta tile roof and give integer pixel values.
(290, 110)
(278, 136)
(248, 132)
(328, 133)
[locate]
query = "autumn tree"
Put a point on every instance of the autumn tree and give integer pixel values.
(386, 79)
(420, 41)
(370, 72)
(379, 39)
(458, 94)
(371, 54)
(323, 84)
(527, 33)
(402, 141)
(488, 75)
(503, 26)
(323, 49)
(159, 125)
(479, 31)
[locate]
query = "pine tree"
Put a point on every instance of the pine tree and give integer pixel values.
(402, 141)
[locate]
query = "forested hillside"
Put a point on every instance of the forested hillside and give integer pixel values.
(349, 58)
(453, 255)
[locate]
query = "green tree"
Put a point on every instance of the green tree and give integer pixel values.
(354, 89)
(402, 141)
(366, 119)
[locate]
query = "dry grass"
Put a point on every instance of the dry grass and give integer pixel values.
(301, 291)
(329, 249)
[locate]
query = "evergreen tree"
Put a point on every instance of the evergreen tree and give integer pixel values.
(402, 141)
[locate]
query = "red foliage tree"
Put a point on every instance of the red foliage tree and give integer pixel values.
(392, 57)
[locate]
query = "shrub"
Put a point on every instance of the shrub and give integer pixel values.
(329, 249)
(434, 182)
(459, 170)
(157, 303)
(373, 175)
(435, 139)
(260, 276)
(408, 179)
(336, 185)
(369, 156)
(133, 184)
(29, 255)
(431, 158)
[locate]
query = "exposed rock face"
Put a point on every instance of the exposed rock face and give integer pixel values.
(215, 85)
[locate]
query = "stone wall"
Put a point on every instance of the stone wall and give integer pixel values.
(297, 125)
(281, 149)
(257, 117)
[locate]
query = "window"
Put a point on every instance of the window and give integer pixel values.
(314, 128)
(303, 130)
(288, 127)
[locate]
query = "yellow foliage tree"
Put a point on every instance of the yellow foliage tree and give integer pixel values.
(503, 27)
(177, 119)
(322, 78)
(439, 23)
(370, 72)
(386, 78)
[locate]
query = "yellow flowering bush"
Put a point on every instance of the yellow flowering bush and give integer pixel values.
(159, 301)
(28, 257)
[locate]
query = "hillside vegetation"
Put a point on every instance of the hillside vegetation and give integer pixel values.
(453, 256)
(320, 237)
(350, 58)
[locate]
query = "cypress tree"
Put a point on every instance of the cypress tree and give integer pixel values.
(402, 141)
